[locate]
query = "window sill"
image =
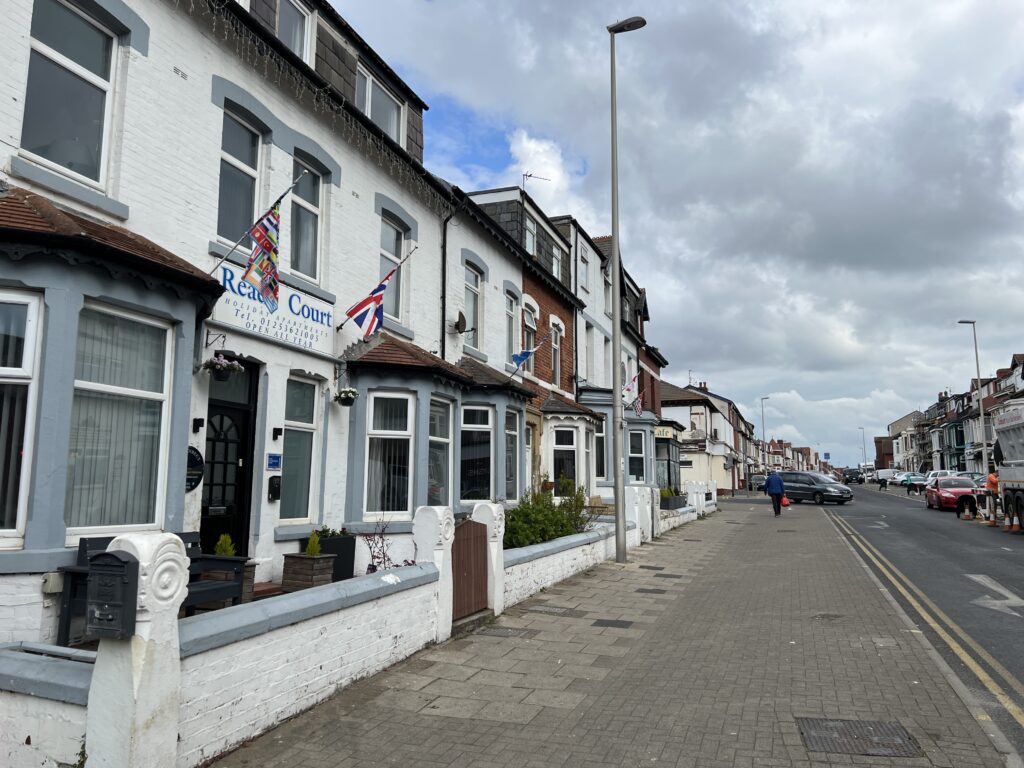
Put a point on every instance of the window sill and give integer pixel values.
(475, 353)
(509, 368)
(293, 532)
(398, 329)
(240, 259)
(55, 182)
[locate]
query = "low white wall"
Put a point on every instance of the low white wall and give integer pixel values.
(25, 612)
(540, 565)
(238, 690)
(673, 518)
(54, 731)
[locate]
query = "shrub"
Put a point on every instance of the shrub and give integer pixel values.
(313, 545)
(224, 547)
(538, 518)
(574, 507)
(666, 493)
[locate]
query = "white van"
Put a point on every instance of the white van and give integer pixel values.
(883, 476)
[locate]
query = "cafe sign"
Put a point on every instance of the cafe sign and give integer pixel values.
(300, 320)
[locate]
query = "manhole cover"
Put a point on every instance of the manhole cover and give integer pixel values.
(653, 567)
(858, 737)
(649, 591)
(617, 623)
(827, 616)
(508, 632)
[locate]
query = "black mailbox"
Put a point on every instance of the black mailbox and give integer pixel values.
(112, 595)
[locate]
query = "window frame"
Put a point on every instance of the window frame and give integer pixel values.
(79, 71)
(530, 235)
(256, 173)
(448, 441)
(309, 30)
(314, 464)
(529, 327)
(642, 455)
(403, 232)
(600, 450)
(607, 291)
(512, 339)
(74, 533)
(557, 333)
(475, 323)
(515, 434)
(13, 538)
(368, 102)
(556, 262)
(584, 270)
(409, 433)
(317, 211)
(489, 428)
(573, 448)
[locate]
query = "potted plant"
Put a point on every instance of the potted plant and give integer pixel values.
(225, 547)
(672, 499)
(346, 396)
(311, 568)
(220, 367)
(342, 545)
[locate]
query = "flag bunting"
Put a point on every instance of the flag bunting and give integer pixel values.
(262, 269)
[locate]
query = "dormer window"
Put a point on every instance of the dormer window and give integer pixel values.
(556, 262)
(373, 100)
(531, 236)
(294, 25)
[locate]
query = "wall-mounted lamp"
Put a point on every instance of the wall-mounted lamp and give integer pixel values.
(278, 431)
(197, 424)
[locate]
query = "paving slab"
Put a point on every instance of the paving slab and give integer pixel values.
(762, 630)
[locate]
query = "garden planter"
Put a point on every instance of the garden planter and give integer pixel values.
(344, 550)
(303, 571)
(673, 502)
(248, 581)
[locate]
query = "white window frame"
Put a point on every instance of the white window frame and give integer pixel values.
(528, 456)
(392, 222)
(314, 454)
(642, 455)
(589, 335)
(584, 275)
(256, 173)
(530, 235)
(79, 71)
(309, 36)
(367, 101)
(489, 428)
(557, 334)
(512, 337)
(506, 432)
(317, 211)
(409, 433)
(556, 262)
(529, 326)
(555, 447)
(607, 291)
(73, 534)
(599, 432)
(13, 538)
(449, 441)
(474, 324)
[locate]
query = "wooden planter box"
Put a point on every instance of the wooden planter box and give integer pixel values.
(344, 549)
(673, 502)
(303, 571)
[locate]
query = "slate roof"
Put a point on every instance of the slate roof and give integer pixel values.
(485, 377)
(28, 217)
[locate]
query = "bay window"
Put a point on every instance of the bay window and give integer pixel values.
(118, 448)
(66, 121)
(392, 247)
(305, 230)
(297, 461)
(511, 455)
(19, 323)
(637, 458)
(439, 454)
(239, 170)
(564, 460)
(475, 475)
(389, 454)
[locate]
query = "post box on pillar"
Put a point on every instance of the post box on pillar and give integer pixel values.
(112, 595)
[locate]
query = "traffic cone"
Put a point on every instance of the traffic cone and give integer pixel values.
(1006, 523)
(965, 513)
(1015, 528)
(992, 522)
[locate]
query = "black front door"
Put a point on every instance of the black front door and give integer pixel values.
(227, 480)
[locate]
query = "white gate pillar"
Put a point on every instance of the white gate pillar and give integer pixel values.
(493, 516)
(433, 529)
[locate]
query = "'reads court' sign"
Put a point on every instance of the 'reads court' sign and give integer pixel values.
(300, 320)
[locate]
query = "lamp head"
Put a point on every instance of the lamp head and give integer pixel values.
(627, 25)
(965, 322)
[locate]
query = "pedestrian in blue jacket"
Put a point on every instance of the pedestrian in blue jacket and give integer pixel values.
(774, 487)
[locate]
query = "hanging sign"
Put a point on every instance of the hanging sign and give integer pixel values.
(194, 469)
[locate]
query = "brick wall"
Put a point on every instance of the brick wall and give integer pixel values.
(652, 384)
(550, 303)
(39, 732)
(25, 612)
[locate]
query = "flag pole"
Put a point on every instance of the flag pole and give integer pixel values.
(388, 275)
(248, 232)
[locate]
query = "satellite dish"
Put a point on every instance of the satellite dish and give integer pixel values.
(460, 323)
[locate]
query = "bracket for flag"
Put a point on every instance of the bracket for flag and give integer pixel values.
(273, 205)
(397, 267)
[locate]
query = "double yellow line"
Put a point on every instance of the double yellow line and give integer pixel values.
(935, 618)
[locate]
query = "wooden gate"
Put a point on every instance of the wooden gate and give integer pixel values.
(469, 569)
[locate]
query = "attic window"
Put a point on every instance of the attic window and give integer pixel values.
(294, 25)
(375, 101)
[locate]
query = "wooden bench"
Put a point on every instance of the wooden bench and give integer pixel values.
(201, 589)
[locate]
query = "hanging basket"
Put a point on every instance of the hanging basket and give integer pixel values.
(220, 374)
(346, 397)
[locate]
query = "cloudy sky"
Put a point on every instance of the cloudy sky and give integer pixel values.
(812, 192)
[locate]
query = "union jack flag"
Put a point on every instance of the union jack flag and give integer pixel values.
(262, 268)
(638, 404)
(369, 313)
(628, 389)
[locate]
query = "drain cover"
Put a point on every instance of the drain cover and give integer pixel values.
(668, 576)
(648, 591)
(827, 616)
(547, 609)
(858, 737)
(653, 567)
(733, 522)
(692, 539)
(617, 623)
(786, 530)
(508, 632)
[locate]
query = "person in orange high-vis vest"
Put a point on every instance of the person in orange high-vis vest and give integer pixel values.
(992, 488)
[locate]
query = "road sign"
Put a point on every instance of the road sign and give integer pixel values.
(828, 456)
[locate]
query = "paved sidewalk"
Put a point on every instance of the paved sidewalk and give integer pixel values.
(752, 622)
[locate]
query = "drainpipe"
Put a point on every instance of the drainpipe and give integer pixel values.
(444, 273)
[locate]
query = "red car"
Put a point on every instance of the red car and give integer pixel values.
(951, 493)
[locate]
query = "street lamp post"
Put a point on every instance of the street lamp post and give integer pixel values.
(618, 421)
(981, 400)
(764, 439)
(863, 447)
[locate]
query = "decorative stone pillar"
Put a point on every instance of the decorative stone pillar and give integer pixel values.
(493, 516)
(135, 695)
(433, 529)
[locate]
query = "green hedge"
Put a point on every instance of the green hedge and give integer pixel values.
(539, 518)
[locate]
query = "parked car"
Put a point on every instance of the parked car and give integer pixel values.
(815, 487)
(940, 473)
(975, 476)
(853, 476)
(755, 483)
(951, 493)
(884, 476)
(912, 478)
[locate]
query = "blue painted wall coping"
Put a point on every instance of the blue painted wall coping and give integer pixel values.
(198, 634)
(537, 551)
(46, 671)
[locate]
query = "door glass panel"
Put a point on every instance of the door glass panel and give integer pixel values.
(234, 390)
